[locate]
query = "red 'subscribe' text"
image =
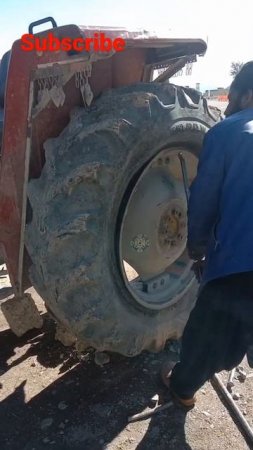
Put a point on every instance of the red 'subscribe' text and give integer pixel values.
(98, 43)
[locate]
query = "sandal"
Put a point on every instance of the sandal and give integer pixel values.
(165, 374)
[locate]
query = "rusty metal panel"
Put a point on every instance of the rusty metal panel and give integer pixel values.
(15, 133)
(25, 131)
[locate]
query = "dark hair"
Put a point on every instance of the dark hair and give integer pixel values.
(243, 81)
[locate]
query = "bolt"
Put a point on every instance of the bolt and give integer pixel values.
(167, 160)
(160, 161)
(154, 285)
(162, 282)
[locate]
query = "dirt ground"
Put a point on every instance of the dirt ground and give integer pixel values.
(218, 104)
(52, 399)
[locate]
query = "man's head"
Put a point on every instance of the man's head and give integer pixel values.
(241, 90)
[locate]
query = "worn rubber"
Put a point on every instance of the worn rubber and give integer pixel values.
(75, 203)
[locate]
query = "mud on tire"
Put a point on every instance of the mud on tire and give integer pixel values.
(72, 237)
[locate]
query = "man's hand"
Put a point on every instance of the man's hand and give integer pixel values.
(196, 253)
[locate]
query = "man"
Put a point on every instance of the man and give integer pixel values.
(220, 227)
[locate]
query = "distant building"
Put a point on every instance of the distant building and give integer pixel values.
(217, 94)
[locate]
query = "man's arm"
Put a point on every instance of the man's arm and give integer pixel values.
(205, 192)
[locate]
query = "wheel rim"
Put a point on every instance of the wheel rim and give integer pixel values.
(152, 242)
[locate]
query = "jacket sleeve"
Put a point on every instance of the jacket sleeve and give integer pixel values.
(205, 191)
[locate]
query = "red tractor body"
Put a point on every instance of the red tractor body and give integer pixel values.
(26, 125)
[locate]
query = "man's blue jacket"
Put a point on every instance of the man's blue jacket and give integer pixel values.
(220, 214)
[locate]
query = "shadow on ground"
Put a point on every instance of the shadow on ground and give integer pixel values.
(88, 406)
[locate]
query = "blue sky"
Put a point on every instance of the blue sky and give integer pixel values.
(227, 24)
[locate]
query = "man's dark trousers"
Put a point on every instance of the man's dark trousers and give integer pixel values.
(217, 334)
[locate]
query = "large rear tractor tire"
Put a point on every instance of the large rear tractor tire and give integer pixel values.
(107, 237)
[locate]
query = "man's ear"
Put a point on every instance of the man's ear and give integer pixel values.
(247, 99)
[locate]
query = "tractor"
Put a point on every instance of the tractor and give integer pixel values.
(93, 209)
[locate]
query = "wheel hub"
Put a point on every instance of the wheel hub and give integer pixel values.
(154, 231)
(172, 229)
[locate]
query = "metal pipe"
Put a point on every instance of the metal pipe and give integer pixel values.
(230, 382)
(185, 176)
(243, 422)
(150, 412)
